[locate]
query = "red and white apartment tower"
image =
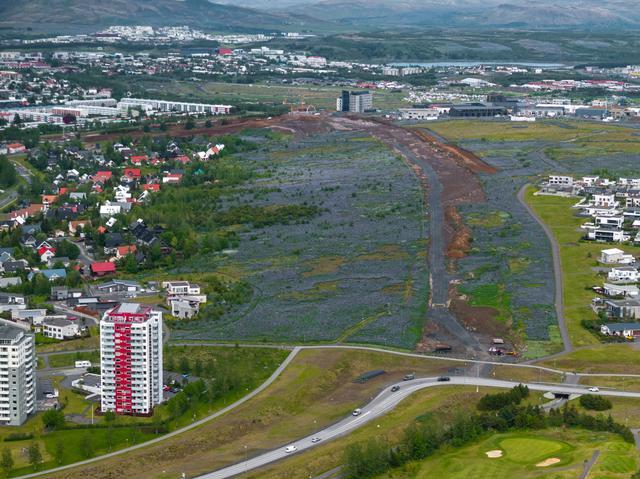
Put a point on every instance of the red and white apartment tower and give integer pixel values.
(131, 359)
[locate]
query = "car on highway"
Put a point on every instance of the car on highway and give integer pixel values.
(594, 389)
(315, 439)
(395, 388)
(444, 379)
(409, 377)
(356, 412)
(290, 449)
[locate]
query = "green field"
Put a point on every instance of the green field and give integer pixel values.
(319, 96)
(523, 451)
(547, 130)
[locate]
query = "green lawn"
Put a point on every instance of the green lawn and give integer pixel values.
(578, 257)
(68, 359)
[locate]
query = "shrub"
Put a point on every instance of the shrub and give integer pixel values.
(595, 403)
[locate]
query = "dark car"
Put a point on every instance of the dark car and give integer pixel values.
(395, 388)
(444, 379)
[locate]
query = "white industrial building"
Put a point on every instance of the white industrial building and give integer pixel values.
(173, 106)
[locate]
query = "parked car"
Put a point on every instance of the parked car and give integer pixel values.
(315, 439)
(290, 449)
(409, 377)
(444, 378)
(356, 412)
(594, 389)
(395, 388)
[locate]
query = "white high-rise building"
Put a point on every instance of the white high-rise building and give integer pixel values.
(131, 359)
(17, 374)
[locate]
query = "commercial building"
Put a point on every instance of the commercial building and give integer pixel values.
(476, 110)
(355, 101)
(17, 374)
(173, 106)
(131, 359)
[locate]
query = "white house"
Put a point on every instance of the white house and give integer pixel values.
(605, 200)
(110, 209)
(623, 274)
(621, 290)
(615, 256)
(60, 328)
(175, 288)
(559, 180)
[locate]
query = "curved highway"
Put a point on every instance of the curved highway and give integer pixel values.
(384, 402)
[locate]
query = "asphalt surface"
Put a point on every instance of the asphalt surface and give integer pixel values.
(557, 271)
(383, 403)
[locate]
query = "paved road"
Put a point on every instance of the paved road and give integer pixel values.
(383, 403)
(589, 464)
(10, 197)
(557, 270)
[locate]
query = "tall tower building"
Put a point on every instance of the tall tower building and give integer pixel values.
(17, 374)
(131, 359)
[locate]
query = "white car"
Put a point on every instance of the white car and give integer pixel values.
(594, 389)
(315, 439)
(290, 449)
(356, 412)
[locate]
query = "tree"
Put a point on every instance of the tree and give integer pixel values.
(6, 461)
(53, 419)
(190, 124)
(16, 119)
(109, 417)
(8, 175)
(207, 124)
(35, 456)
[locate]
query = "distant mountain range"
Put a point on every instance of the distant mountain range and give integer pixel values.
(89, 15)
(324, 15)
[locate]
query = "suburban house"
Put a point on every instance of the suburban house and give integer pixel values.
(615, 256)
(60, 328)
(620, 290)
(11, 302)
(623, 308)
(627, 330)
(119, 286)
(627, 274)
(184, 298)
(102, 268)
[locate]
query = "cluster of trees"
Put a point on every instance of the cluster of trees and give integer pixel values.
(595, 403)
(8, 175)
(423, 438)
(494, 402)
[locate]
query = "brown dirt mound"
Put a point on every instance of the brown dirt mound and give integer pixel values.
(460, 243)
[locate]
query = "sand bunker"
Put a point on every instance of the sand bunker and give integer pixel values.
(548, 462)
(494, 454)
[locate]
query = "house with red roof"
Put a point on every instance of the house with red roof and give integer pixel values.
(151, 187)
(184, 159)
(132, 173)
(102, 268)
(139, 159)
(102, 176)
(13, 148)
(46, 253)
(122, 251)
(172, 178)
(225, 51)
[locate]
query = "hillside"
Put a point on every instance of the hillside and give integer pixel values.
(69, 15)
